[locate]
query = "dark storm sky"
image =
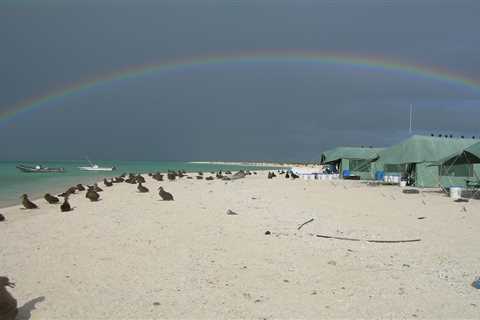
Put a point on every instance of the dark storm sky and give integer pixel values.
(260, 111)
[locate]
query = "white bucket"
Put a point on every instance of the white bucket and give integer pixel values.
(456, 192)
(403, 184)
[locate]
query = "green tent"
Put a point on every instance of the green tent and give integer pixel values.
(356, 160)
(415, 155)
(465, 163)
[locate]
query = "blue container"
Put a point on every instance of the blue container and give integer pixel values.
(379, 175)
(346, 173)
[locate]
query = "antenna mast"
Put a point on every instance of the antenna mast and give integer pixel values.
(411, 119)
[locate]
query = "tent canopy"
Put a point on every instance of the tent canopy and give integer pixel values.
(470, 154)
(356, 153)
(418, 149)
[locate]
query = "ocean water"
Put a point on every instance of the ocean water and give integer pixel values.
(14, 183)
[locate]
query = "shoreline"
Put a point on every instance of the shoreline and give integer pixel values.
(58, 183)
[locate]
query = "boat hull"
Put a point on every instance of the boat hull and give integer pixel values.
(95, 169)
(29, 169)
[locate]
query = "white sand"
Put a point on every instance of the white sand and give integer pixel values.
(114, 259)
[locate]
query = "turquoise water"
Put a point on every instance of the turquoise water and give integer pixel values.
(14, 183)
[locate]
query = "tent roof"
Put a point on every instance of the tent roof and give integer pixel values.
(417, 149)
(350, 153)
(470, 154)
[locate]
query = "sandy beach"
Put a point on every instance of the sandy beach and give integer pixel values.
(132, 256)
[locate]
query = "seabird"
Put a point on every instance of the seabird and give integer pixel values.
(166, 196)
(118, 180)
(157, 176)
(141, 188)
(27, 203)
(287, 176)
(92, 194)
(51, 199)
(65, 207)
(96, 188)
(8, 304)
(131, 179)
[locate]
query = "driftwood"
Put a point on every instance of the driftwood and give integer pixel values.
(301, 226)
(374, 241)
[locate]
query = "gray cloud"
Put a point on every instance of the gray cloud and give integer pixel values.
(269, 111)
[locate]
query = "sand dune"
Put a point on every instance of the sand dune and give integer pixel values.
(132, 256)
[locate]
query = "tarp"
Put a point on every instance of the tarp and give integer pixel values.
(470, 154)
(419, 149)
(352, 153)
(419, 152)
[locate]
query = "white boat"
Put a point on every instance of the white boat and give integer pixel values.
(95, 167)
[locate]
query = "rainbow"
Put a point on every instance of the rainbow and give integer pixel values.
(374, 64)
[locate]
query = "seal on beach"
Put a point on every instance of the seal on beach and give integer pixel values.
(210, 178)
(8, 304)
(65, 207)
(51, 199)
(166, 196)
(287, 176)
(27, 204)
(107, 183)
(140, 179)
(2, 217)
(141, 189)
(92, 194)
(80, 187)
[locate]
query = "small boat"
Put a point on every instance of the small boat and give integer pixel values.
(94, 167)
(39, 169)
